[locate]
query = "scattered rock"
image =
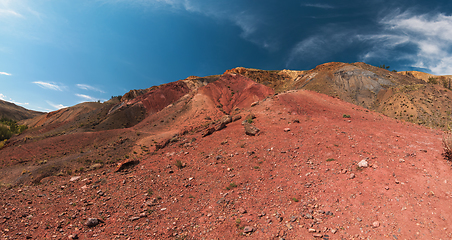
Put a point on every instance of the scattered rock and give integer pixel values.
(334, 230)
(250, 129)
(242, 210)
(248, 229)
(254, 104)
(363, 163)
(226, 119)
(317, 235)
(73, 236)
(236, 118)
(134, 218)
(92, 222)
(95, 166)
(126, 164)
(312, 230)
(351, 176)
(75, 178)
(250, 116)
(208, 131)
(286, 129)
(375, 224)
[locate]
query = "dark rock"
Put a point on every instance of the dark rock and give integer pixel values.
(92, 222)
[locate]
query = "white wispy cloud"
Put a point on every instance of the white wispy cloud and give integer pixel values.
(318, 5)
(320, 47)
(48, 85)
(429, 34)
(5, 73)
(4, 98)
(249, 20)
(88, 87)
(423, 41)
(56, 106)
(86, 97)
(9, 12)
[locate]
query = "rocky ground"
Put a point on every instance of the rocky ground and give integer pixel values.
(317, 168)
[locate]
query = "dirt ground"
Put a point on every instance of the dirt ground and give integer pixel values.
(298, 178)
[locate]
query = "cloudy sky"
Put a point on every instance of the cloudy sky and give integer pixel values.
(57, 53)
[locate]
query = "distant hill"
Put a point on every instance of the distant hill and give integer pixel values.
(14, 112)
(408, 96)
(424, 76)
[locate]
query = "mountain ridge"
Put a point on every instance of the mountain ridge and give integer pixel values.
(14, 112)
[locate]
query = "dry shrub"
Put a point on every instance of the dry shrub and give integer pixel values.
(447, 144)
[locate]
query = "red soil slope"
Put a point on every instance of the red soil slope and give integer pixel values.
(297, 179)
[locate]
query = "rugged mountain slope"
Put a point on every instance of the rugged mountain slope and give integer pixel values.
(401, 96)
(17, 113)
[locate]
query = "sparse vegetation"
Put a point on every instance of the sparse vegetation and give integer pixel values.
(447, 144)
(384, 66)
(346, 116)
(9, 127)
(432, 80)
(231, 186)
(116, 97)
(295, 199)
(330, 159)
(179, 164)
(237, 222)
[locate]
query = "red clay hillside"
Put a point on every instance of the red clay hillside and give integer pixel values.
(319, 166)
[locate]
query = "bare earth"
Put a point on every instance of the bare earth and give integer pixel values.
(298, 178)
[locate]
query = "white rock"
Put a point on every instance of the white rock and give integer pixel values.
(363, 163)
(73, 179)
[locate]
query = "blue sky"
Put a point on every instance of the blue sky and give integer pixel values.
(58, 53)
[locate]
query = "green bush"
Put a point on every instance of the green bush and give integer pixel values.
(432, 80)
(9, 127)
(5, 133)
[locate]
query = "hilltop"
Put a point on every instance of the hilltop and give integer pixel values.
(249, 153)
(12, 111)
